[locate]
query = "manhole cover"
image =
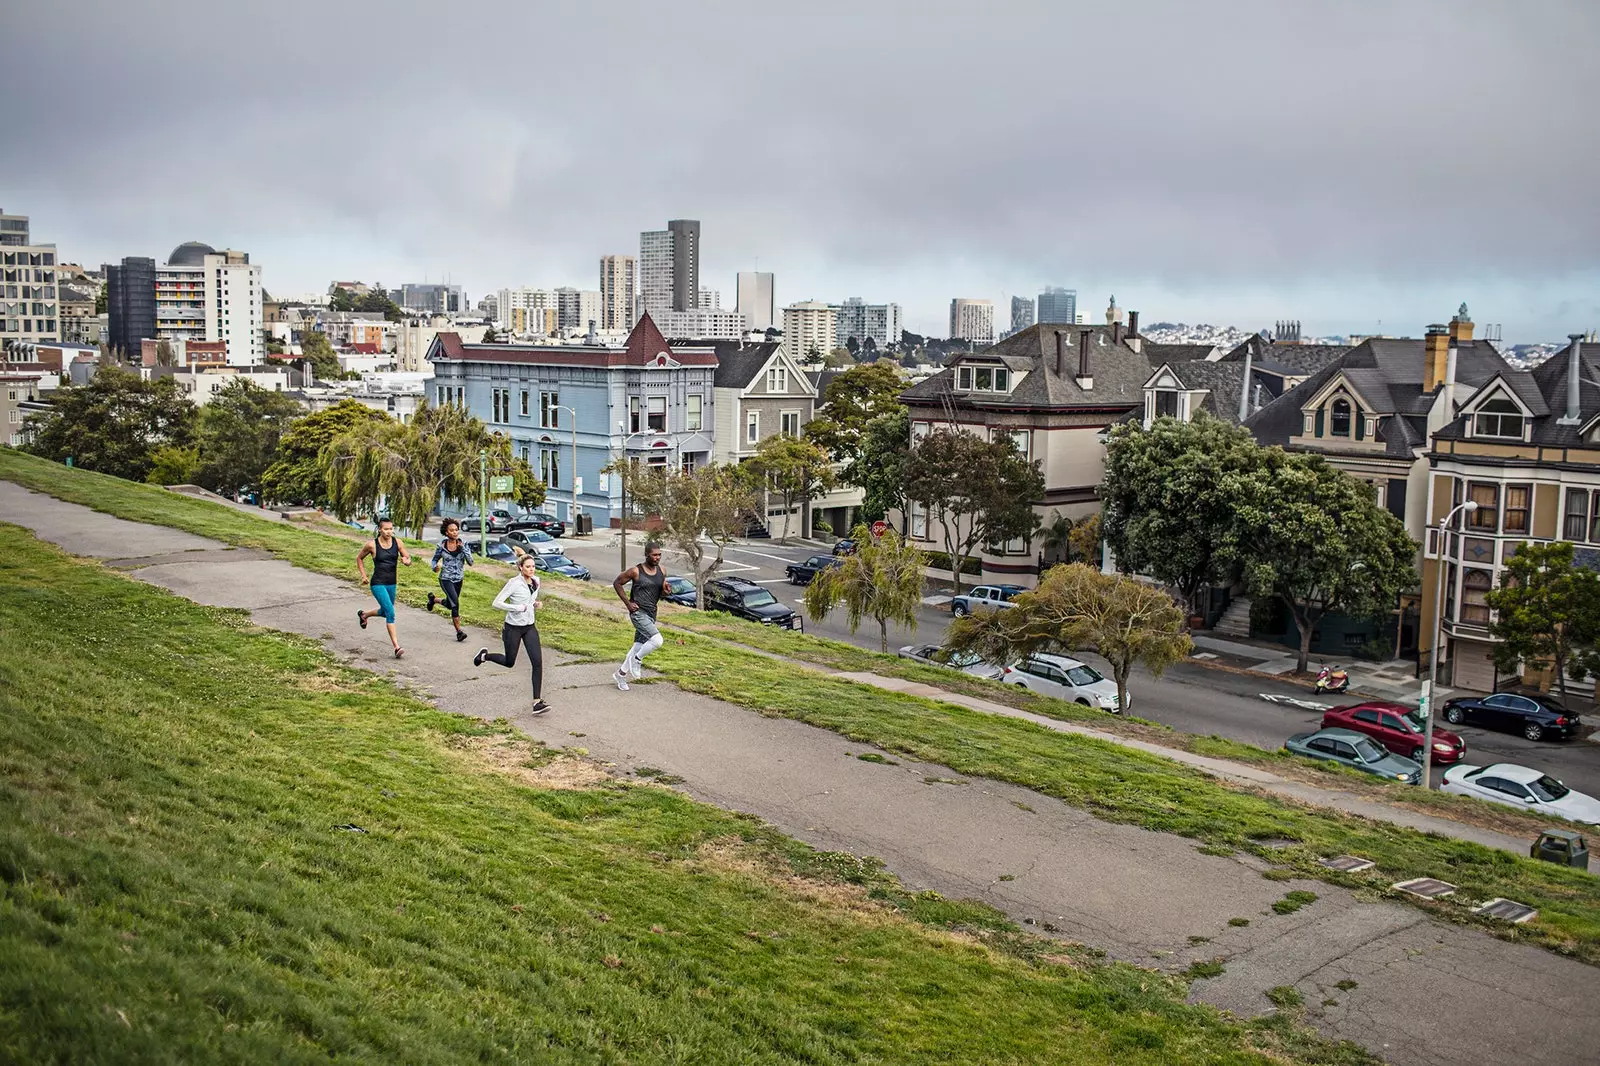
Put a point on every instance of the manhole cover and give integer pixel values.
(1506, 910)
(1426, 887)
(1347, 864)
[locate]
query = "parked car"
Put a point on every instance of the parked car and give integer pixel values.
(847, 546)
(499, 551)
(1535, 717)
(681, 591)
(533, 542)
(802, 573)
(966, 662)
(992, 596)
(748, 600)
(499, 522)
(540, 521)
(1357, 751)
(1398, 728)
(1519, 786)
(560, 564)
(1065, 678)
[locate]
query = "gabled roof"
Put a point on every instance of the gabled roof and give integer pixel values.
(645, 347)
(1299, 359)
(1177, 353)
(1543, 390)
(738, 363)
(1119, 372)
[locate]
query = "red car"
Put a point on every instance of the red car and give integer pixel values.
(1398, 728)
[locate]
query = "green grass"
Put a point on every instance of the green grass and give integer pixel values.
(178, 883)
(1114, 782)
(1285, 997)
(1293, 901)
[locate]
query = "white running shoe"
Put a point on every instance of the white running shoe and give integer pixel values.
(621, 678)
(638, 669)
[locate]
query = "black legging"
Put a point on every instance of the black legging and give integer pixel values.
(452, 596)
(528, 637)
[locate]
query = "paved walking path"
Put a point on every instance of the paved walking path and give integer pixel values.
(1427, 992)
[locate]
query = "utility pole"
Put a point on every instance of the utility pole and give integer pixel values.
(483, 502)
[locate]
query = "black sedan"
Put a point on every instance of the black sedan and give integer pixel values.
(560, 564)
(846, 546)
(542, 522)
(681, 591)
(1535, 717)
(802, 573)
(499, 551)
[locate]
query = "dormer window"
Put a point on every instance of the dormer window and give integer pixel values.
(1339, 419)
(983, 379)
(1498, 418)
(1166, 403)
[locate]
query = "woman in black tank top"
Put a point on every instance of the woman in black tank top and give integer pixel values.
(385, 575)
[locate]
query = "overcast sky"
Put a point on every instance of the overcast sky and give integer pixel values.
(1232, 162)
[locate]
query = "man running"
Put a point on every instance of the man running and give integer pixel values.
(450, 561)
(386, 550)
(648, 581)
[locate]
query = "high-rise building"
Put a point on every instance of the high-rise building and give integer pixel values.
(433, 299)
(702, 324)
(577, 309)
(130, 303)
(1058, 305)
(809, 329)
(525, 310)
(618, 282)
(669, 267)
(1021, 313)
(755, 299)
(880, 323)
(202, 294)
(28, 309)
(972, 320)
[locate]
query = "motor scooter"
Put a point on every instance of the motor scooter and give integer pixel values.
(1332, 679)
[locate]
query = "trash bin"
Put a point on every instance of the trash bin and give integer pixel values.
(585, 524)
(1561, 846)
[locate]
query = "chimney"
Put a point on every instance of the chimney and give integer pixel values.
(1461, 325)
(1085, 378)
(1116, 331)
(1435, 357)
(1135, 341)
(1572, 417)
(1450, 385)
(1061, 353)
(1244, 386)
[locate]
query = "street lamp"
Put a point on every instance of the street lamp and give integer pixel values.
(622, 474)
(1438, 635)
(574, 414)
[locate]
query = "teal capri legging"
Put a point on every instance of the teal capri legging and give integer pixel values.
(384, 594)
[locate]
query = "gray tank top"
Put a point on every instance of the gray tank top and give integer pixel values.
(647, 589)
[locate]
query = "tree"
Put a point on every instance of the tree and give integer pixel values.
(1310, 535)
(880, 467)
(973, 491)
(882, 580)
(1078, 608)
(1084, 541)
(1165, 499)
(869, 346)
(1547, 610)
(1055, 537)
(378, 302)
(529, 492)
(408, 467)
(102, 298)
(851, 400)
(164, 355)
(114, 424)
(835, 359)
(324, 363)
(700, 511)
(237, 435)
(852, 346)
(171, 464)
(295, 475)
(796, 469)
(490, 336)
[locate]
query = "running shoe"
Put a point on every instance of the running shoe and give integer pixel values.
(432, 599)
(621, 678)
(540, 707)
(638, 669)
(361, 616)
(399, 653)
(483, 653)
(461, 634)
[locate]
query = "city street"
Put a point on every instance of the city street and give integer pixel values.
(1191, 697)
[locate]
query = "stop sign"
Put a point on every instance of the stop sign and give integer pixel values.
(879, 528)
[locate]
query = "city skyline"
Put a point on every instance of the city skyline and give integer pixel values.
(1350, 204)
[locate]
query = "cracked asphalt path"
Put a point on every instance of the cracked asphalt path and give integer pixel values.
(1424, 991)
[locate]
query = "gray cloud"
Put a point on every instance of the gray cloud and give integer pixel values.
(1236, 161)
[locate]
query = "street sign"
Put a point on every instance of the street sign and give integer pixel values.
(577, 485)
(879, 528)
(1425, 699)
(605, 484)
(502, 484)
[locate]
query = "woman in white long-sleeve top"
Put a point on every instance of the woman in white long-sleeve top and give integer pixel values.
(518, 599)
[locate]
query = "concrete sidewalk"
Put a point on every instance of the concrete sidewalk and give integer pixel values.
(1426, 992)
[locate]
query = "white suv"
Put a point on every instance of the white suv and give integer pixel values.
(1065, 678)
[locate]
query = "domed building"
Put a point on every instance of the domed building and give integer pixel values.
(190, 254)
(206, 295)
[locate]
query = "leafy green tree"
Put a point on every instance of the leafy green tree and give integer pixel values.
(314, 346)
(879, 470)
(1055, 537)
(796, 469)
(529, 493)
(1165, 500)
(164, 354)
(295, 475)
(171, 464)
(113, 424)
(839, 358)
(408, 467)
(973, 491)
(882, 581)
(1310, 535)
(852, 346)
(378, 302)
(1078, 608)
(102, 298)
(852, 400)
(1547, 611)
(237, 435)
(1084, 541)
(869, 346)
(700, 512)
(342, 300)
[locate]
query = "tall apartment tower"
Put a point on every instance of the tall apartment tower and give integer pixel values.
(808, 328)
(755, 299)
(1021, 313)
(29, 311)
(1058, 305)
(130, 303)
(972, 320)
(618, 282)
(202, 294)
(669, 266)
